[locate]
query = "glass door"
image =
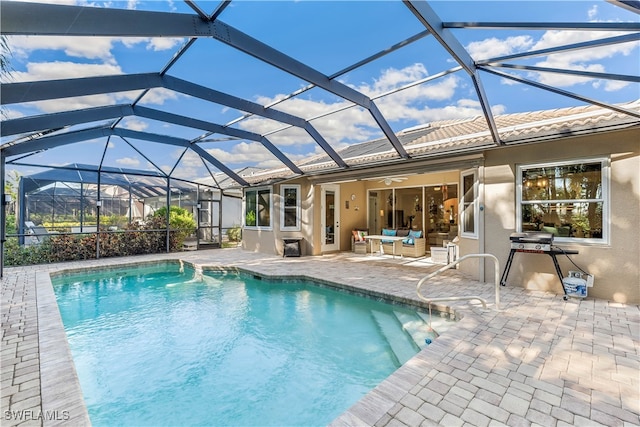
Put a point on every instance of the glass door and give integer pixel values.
(330, 218)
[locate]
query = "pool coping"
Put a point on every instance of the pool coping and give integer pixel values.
(62, 395)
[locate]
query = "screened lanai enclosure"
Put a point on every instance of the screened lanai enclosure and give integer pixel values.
(113, 111)
(78, 212)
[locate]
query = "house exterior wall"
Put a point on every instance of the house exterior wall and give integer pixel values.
(270, 241)
(614, 264)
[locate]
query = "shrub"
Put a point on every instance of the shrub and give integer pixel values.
(134, 239)
(181, 224)
(234, 233)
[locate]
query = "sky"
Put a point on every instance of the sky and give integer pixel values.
(328, 36)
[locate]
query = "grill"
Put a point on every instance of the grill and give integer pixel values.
(531, 242)
(536, 243)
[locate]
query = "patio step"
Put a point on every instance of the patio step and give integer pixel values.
(417, 327)
(400, 343)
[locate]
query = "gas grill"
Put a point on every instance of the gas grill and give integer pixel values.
(536, 243)
(531, 242)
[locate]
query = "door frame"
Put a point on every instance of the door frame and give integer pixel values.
(335, 246)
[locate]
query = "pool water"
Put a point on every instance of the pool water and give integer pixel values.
(156, 346)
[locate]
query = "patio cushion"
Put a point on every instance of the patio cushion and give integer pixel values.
(388, 232)
(412, 235)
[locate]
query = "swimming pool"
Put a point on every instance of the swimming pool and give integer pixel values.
(161, 345)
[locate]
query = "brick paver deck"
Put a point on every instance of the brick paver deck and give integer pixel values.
(537, 361)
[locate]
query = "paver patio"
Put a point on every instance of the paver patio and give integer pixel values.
(538, 360)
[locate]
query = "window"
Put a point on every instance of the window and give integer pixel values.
(564, 199)
(290, 210)
(469, 203)
(258, 208)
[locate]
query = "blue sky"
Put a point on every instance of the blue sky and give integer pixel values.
(328, 36)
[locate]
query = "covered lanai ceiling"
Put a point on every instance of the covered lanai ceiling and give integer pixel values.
(189, 89)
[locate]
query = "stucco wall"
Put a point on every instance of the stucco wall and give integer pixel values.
(270, 241)
(615, 265)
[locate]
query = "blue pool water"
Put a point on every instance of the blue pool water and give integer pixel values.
(158, 347)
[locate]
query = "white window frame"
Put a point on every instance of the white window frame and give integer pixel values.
(244, 209)
(605, 199)
(474, 204)
(283, 189)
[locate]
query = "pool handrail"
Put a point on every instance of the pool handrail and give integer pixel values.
(462, 298)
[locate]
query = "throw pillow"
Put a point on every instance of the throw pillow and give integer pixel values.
(412, 235)
(388, 232)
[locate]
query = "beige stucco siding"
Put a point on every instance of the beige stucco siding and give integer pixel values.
(270, 241)
(615, 264)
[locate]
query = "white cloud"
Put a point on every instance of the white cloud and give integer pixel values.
(413, 105)
(581, 60)
(555, 38)
(87, 47)
(128, 161)
(163, 43)
(135, 124)
(615, 85)
(37, 71)
(77, 47)
(393, 78)
(593, 11)
(248, 152)
(494, 47)
(158, 95)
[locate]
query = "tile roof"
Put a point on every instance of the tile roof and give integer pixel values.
(453, 136)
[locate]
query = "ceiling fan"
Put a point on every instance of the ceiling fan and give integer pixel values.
(392, 179)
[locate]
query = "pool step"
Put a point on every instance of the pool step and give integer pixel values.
(400, 343)
(439, 322)
(417, 327)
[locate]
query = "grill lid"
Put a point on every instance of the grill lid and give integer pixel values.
(532, 237)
